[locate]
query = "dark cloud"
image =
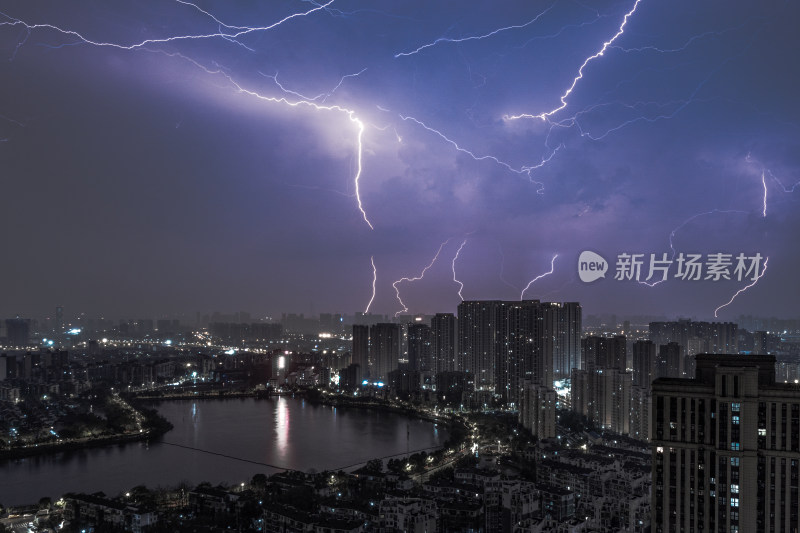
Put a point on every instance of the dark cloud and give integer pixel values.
(149, 181)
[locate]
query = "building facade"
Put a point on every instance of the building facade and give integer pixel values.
(726, 448)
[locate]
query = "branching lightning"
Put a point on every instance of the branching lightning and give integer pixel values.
(545, 115)
(679, 227)
(473, 37)
(523, 171)
(647, 111)
(239, 31)
(417, 278)
(540, 276)
(740, 291)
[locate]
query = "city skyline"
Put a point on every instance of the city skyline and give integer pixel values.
(316, 157)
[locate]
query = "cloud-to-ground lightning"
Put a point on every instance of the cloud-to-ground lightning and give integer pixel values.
(416, 278)
(453, 266)
(374, 280)
(740, 291)
(594, 115)
(546, 114)
(301, 101)
(540, 276)
(473, 37)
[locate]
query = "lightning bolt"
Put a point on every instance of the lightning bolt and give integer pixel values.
(679, 227)
(417, 278)
(321, 96)
(693, 217)
(374, 279)
(473, 37)
(239, 31)
(540, 276)
(785, 189)
(740, 291)
(764, 172)
(453, 266)
(565, 96)
(524, 170)
(687, 44)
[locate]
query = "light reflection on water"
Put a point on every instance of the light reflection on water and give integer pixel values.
(284, 431)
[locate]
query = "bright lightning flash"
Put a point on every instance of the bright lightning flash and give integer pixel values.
(239, 31)
(453, 266)
(374, 279)
(545, 115)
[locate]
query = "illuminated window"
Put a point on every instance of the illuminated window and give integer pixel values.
(735, 446)
(735, 502)
(736, 407)
(734, 461)
(734, 489)
(735, 420)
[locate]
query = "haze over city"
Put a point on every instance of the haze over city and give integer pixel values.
(175, 157)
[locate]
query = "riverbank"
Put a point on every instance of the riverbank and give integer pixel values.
(256, 436)
(456, 425)
(153, 427)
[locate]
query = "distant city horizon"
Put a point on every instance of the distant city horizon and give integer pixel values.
(611, 319)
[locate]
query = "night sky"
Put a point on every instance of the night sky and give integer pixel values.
(161, 158)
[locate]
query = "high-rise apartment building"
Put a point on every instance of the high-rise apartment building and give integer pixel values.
(537, 410)
(419, 347)
(669, 362)
(604, 352)
(384, 349)
(726, 449)
(443, 348)
(694, 338)
(502, 343)
(18, 331)
(603, 395)
(644, 362)
(361, 348)
(477, 341)
(563, 321)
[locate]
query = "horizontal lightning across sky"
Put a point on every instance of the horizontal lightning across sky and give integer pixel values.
(378, 131)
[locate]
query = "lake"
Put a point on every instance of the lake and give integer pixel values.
(222, 441)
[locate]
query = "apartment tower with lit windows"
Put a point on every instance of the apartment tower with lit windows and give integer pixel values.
(726, 449)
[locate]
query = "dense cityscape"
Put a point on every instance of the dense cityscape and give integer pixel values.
(556, 421)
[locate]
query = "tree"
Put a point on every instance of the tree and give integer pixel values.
(259, 481)
(374, 465)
